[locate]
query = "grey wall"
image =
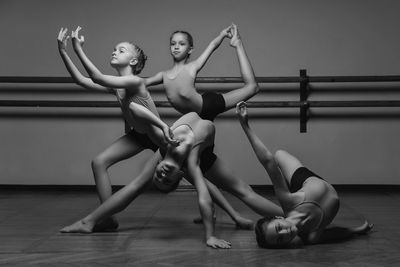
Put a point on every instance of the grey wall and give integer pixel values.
(349, 146)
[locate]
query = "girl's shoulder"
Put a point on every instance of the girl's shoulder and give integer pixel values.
(205, 130)
(194, 120)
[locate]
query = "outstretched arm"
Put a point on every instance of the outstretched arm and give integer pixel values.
(214, 44)
(130, 81)
(265, 157)
(79, 79)
(146, 115)
(154, 80)
(205, 202)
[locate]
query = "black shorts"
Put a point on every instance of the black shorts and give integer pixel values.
(299, 177)
(213, 104)
(143, 140)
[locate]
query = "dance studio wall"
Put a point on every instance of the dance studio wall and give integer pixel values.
(352, 37)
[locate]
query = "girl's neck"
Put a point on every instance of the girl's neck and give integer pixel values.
(124, 71)
(180, 63)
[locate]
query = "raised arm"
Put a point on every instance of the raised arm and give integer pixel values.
(205, 202)
(147, 116)
(265, 157)
(129, 81)
(154, 80)
(214, 44)
(79, 79)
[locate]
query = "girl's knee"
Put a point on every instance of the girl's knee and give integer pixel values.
(243, 191)
(99, 162)
(280, 155)
(286, 162)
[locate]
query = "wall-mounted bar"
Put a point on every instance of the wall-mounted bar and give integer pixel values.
(303, 104)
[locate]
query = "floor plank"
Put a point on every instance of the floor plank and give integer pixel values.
(157, 230)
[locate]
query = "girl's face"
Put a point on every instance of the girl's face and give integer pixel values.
(168, 171)
(279, 231)
(123, 54)
(180, 47)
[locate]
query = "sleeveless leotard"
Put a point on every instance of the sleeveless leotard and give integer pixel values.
(320, 203)
(146, 101)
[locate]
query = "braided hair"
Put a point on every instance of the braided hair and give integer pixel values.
(141, 59)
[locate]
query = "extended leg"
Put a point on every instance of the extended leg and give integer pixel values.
(221, 176)
(250, 87)
(117, 202)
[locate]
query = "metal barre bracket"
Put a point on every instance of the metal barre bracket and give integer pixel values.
(304, 105)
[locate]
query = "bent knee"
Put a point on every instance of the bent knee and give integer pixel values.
(243, 191)
(280, 155)
(100, 162)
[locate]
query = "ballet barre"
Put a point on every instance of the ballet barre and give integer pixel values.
(303, 104)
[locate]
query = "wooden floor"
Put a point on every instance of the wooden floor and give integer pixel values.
(157, 230)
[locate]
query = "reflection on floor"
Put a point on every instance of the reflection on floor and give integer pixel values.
(157, 229)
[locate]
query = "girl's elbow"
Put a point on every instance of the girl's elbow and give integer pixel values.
(80, 82)
(256, 88)
(253, 87)
(97, 78)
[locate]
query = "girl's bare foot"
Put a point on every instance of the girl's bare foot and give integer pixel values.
(365, 228)
(78, 227)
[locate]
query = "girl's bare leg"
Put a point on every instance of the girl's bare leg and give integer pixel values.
(221, 176)
(250, 87)
(287, 163)
(117, 202)
(123, 148)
